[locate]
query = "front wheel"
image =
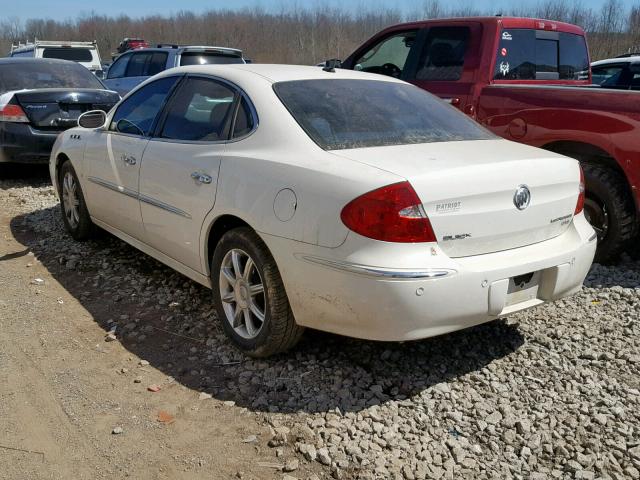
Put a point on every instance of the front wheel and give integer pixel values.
(75, 215)
(249, 295)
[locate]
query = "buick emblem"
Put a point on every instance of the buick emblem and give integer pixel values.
(522, 197)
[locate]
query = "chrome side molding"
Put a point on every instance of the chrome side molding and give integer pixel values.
(141, 197)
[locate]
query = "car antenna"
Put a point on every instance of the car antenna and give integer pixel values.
(331, 65)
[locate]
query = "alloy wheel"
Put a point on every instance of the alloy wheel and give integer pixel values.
(242, 293)
(70, 200)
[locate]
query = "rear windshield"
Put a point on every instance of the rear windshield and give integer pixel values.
(205, 58)
(528, 54)
(346, 113)
(68, 53)
(43, 74)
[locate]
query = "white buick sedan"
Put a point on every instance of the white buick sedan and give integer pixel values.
(337, 200)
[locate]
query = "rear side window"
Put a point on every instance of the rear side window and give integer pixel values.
(68, 53)
(347, 113)
(200, 110)
(528, 54)
(206, 58)
(443, 55)
(244, 120)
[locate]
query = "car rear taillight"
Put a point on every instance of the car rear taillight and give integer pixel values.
(13, 113)
(580, 202)
(392, 214)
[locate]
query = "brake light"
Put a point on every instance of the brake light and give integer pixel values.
(392, 214)
(13, 113)
(580, 202)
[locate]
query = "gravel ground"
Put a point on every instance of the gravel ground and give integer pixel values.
(549, 393)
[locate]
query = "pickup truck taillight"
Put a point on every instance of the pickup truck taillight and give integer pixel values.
(13, 113)
(392, 214)
(580, 202)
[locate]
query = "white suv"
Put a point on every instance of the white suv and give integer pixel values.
(622, 73)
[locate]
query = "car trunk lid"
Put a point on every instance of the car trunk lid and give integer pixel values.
(59, 108)
(468, 190)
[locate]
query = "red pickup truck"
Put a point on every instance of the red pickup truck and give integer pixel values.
(527, 80)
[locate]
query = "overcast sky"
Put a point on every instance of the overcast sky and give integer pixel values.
(62, 9)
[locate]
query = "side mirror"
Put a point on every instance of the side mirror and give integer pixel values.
(92, 119)
(332, 64)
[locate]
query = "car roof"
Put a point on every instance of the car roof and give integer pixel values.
(274, 73)
(15, 60)
(505, 22)
(608, 61)
(182, 48)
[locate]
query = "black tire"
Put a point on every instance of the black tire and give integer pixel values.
(279, 331)
(84, 228)
(610, 209)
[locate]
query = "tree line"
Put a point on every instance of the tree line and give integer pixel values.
(307, 35)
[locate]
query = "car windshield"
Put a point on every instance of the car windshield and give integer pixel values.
(206, 58)
(347, 113)
(68, 53)
(44, 74)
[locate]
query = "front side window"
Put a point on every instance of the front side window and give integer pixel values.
(443, 55)
(389, 56)
(346, 113)
(136, 115)
(200, 110)
(68, 53)
(528, 54)
(119, 67)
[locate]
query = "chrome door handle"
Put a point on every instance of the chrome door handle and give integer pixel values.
(201, 177)
(128, 159)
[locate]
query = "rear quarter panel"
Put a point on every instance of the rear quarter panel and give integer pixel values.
(542, 115)
(279, 155)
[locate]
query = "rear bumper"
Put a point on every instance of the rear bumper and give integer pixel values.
(21, 143)
(374, 292)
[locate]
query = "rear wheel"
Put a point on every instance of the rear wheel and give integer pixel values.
(75, 215)
(610, 210)
(249, 295)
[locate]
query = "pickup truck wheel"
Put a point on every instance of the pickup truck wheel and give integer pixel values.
(610, 211)
(75, 215)
(249, 295)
